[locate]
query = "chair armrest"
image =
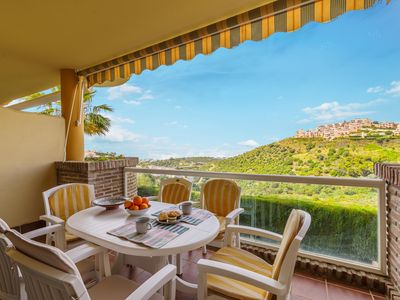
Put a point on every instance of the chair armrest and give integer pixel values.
(206, 266)
(154, 283)
(84, 251)
(233, 215)
(253, 231)
(44, 230)
(51, 219)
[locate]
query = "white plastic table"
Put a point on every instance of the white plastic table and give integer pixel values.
(92, 224)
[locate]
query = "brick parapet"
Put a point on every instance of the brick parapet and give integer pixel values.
(106, 176)
(391, 174)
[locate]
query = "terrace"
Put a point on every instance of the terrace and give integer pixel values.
(356, 261)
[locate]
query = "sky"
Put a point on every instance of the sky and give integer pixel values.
(236, 99)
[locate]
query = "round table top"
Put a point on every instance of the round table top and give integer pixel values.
(92, 224)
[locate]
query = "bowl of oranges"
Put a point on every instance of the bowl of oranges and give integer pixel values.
(137, 206)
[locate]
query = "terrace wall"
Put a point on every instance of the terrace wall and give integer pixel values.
(30, 143)
(106, 176)
(391, 173)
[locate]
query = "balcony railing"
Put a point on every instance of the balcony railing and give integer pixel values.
(346, 233)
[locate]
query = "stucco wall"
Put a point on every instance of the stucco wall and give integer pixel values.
(29, 145)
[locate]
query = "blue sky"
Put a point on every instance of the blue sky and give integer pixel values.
(234, 100)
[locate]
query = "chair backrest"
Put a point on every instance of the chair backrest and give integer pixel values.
(9, 279)
(296, 227)
(47, 271)
(175, 190)
(64, 200)
(220, 196)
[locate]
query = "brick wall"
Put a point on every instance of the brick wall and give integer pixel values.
(106, 176)
(391, 173)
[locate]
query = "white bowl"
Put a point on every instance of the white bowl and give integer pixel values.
(139, 212)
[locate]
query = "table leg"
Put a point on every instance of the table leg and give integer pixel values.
(118, 264)
(153, 265)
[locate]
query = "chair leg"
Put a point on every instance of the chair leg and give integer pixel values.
(204, 249)
(179, 264)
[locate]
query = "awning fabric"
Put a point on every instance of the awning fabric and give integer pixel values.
(257, 24)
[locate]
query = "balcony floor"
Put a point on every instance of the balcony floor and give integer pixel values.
(304, 287)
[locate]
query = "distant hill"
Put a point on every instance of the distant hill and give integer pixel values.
(343, 157)
(188, 163)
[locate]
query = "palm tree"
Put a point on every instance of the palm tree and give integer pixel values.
(95, 122)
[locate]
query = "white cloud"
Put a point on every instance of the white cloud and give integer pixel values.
(122, 91)
(375, 89)
(119, 134)
(120, 120)
(132, 102)
(16, 101)
(129, 94)
(330, 111)
(249, 143)
(394, 88)
(178, 107)
(172, 123)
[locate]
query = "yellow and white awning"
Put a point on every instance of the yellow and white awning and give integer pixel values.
(257, 24)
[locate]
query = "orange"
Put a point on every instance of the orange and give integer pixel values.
(137, 200)
(134, 207)
(128, 204)
(145, 200)
(144, 206)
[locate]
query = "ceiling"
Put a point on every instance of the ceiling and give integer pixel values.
(38, 38)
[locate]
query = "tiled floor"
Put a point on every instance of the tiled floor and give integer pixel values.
(303, 287)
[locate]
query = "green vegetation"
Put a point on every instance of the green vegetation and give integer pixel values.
(184, 163)
(344, 218)
(103, 156)
(342, 157)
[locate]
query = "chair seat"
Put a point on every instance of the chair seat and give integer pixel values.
(115, 287)
(233, 288)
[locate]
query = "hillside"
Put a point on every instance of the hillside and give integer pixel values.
(344, 157)
(188, 163)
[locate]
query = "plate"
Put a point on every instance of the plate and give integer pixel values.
(168, 222)
(110, 203)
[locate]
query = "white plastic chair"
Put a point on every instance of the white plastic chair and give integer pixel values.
(51, 274)
(233, 273)
(11, 284)
(221, 197)
(175, 190)
(62, 201)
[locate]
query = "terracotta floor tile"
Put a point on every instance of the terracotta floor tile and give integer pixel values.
(309, 288)
(379, 297)
(303, 286)
(197, 254)
(343, 293)
(183, 296)
(297, 297)
(190, 272)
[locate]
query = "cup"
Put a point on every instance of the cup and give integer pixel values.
(143, 224)
(186, 207)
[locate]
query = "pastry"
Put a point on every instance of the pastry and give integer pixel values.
(174, 214)
(163, 216)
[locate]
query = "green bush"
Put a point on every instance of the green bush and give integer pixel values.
(346, 232)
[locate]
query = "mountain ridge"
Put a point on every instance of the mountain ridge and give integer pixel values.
(343, 157)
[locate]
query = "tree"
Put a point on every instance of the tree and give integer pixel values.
(95, 122)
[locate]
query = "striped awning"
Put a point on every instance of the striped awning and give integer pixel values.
(257, 24)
